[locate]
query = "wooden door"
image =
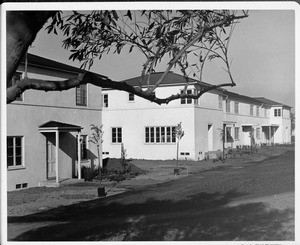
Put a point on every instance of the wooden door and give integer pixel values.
(51, 159)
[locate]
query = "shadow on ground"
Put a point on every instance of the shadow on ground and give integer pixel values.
(201, 217)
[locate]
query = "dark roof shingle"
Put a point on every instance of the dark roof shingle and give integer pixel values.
(35, 60)
(270, 102)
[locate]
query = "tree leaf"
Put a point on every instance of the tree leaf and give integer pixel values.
(129, 14)
(130, 50)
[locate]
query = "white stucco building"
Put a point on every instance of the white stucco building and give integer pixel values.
(146, 129)
(38, 122)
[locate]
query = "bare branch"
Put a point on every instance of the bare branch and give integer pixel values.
(99, 81)
(180, 53)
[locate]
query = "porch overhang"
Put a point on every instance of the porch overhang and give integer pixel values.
(57, 127)
(249, 125)
(229, 122)
(270, 125)
(53, 126)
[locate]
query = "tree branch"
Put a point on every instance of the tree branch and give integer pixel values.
(99, 81)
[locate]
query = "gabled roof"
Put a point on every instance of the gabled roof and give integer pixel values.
(270, 102)
(171, 79)
(241, 98)
(51, 125)
(38, 61)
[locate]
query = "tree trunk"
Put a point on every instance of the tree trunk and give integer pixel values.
(177, 153)
(99, 158)
(100, 161)
(21, 30)
(224, 137)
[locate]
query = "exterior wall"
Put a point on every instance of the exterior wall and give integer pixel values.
(133, 117)
(38, 107)
(119, 100)
(209, 100)
(244, 121)
(133, 123)
(283, 132)
(201, 136)
(203, 118)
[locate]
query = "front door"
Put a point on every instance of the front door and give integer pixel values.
(51, 161)
(210, 137)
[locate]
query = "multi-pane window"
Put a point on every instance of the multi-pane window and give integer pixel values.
(131, 97)
(187, 100)
(236, 107)
(277, 112)
(257, 133)
(257, 111)
(228, 105)
(84, 147)
(81, 98)
(160, 134)
(116, 135)
(220, 98)
(236, 133)
(251, 110)
(14, 151)
(16, 77)
(105, 100)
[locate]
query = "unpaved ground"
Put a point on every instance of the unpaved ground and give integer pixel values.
(34, 200)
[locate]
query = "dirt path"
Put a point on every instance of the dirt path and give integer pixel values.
(34, 200)
(248, 203)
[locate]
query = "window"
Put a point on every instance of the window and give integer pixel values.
(277, 112)
(160, 134)
(105, 100)
(116, 135)
(251, 110)
(220, 98)
(152, 134)
(14, 152)
(228, 105)
(16, 77)
(236, 133)
(131, 97)
(257, 111)
(258, 133)
(84, 148)
(236, 107)
(81, 98)
(186, 100)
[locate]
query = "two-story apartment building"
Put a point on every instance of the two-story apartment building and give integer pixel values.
(147, 129)
(45, 129)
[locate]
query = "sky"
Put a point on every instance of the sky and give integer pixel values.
(262, 50)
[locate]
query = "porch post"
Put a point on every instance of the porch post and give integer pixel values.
(269, 135)
(79, 155)
(56, 155)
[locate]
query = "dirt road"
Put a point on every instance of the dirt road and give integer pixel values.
(248, 202)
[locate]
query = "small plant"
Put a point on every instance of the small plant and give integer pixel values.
(252, 140)
(179, 134)
(222, 139)
(123, 157)
(97, 140)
